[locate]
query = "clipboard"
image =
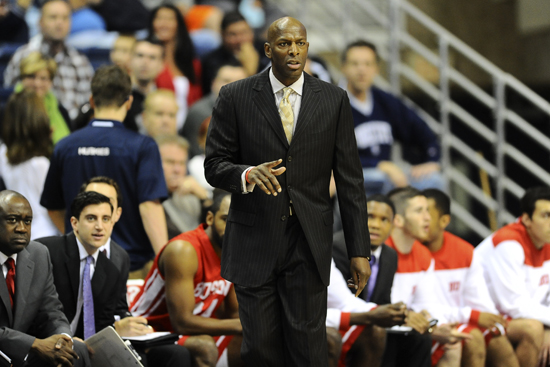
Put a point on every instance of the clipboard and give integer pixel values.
(152, 340)
(111, 351)
(5, 361)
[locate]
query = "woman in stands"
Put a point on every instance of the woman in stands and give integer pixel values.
(36, 74)
(24, 154)
(182, 71)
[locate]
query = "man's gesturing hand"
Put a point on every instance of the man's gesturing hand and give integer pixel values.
(360, 273)
(264, 176)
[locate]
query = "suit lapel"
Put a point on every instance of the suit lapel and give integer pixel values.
(310, 102)
(5, 296)
(72, 264)
(265, 101)
(100, 276)
(380, 278)
(24, 271)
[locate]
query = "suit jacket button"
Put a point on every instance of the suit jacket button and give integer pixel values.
(289, 158)
(283, 217)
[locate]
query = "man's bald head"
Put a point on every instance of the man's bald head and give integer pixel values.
(15, 222)
(281, 25)
(287, 48)
(6, 195)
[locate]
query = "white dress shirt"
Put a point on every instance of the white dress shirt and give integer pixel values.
(3, 259)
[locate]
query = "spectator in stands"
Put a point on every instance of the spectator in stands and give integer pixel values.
(121, 52)
(185, 293)
(36, 73)
(238, 44)
(225, 74)
(105, 147)
(379, 119)
(516, 265)
(13, 27)
(147, 58)
(460, 290)
(159, 113)
(182, 71)
(414, 348)
(24, 155)
(35, 332)
(71, 84)
(183, 208)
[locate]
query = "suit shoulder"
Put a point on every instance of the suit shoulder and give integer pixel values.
(37, 249)
(119, 251)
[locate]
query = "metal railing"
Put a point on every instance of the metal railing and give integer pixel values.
(341, 21)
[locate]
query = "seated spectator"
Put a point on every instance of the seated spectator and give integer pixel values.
(182, 70)
(381, 118)
(13, 27)
(159, 113)
(71, 83)
(360, 344)
(121, 52)
(238, 45)
(184, 207)
(459, 287)
(35, 332)
(24, 155)
(146, 62)
(37, 72)
(225, 74)
(185, 293)
(516, 267)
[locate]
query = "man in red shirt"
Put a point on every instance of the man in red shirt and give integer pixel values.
(185, 293)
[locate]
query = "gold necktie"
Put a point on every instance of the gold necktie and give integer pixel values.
(287, 116)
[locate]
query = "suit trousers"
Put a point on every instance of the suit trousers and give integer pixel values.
(284, 319)
(410, 350)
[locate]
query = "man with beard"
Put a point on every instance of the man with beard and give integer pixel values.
(195, 300)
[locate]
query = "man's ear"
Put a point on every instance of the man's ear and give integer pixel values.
(118, 213)
(267, 50)
(526, 220)
(74, 223)
(444, 221)
(129, 102)
(398, 221)
(209, 218)
(92, 103)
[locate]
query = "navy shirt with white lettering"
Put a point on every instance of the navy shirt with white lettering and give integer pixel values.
(107, 148)
(391, 120)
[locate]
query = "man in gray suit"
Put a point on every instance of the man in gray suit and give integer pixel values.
(33, 329)
(278, 242)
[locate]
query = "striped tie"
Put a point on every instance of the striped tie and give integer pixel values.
(287, 116)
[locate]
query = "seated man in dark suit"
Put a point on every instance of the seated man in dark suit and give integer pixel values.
(33, 329)
(76, 256)
(126, 325)
(414, 348)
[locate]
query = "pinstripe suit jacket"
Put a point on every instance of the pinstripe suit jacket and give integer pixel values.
(245, 131)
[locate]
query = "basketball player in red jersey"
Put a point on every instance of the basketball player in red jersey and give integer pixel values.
(185, 293)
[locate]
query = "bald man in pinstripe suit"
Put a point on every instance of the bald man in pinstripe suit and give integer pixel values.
(278, 239)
